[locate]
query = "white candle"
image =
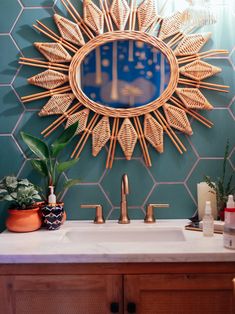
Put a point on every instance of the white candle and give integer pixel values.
(204, 193)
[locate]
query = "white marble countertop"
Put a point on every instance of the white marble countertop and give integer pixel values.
(85, 242)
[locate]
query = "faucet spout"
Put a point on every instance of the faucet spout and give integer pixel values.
(125, 185)
(124, 219)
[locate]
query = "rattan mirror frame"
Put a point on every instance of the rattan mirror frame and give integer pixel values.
(122, 20)
(123, 35)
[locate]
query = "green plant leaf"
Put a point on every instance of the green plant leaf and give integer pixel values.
(56, 149)
(13, 195)
(41, 191)
(37, 197)
(8, 198)
(64, 166)
(221, 187)
(11, 182)
(40, 166)
(210, 183)
(24, 182)
(68, 184)
(229, 187)
(38, 147)
(226, 153)
(63, 140)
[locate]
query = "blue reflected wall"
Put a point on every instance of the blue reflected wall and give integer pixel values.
(125, 74)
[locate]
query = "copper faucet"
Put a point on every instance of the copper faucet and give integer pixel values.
(124, 219)
(149, 217)
(99, 219)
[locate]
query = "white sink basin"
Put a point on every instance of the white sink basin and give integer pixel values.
(124, 235)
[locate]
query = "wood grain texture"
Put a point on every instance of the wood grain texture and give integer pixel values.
(180, 293)
(183, 288)
(67, 294)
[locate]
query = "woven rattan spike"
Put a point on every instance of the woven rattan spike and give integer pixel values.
(127, 138)
(57, 104)
(100, 135)
(54, 52)
(192, 98)
(69, 31)
(172, 25)
(48, 79)
(191, 44)
(199, 70)
(120, 11)
(153, 132)
(93, 16)
(81, 117)
(177, 118)
(146, 14)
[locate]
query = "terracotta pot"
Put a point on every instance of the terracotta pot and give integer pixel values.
(40, 205)
(23, 220)
(64, 217)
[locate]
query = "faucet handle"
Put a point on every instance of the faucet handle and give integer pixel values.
(149, 217)
(99, 219)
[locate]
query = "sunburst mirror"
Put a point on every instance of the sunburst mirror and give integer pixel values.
(126, 73)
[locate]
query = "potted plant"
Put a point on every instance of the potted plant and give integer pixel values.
(23, 210)
(221, 186)
(48, 165)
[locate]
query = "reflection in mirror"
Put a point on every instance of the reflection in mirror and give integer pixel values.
(124, 74)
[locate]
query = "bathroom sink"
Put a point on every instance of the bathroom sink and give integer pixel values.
(125, 235)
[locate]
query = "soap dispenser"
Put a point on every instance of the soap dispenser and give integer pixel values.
(52, 197)
(229, 212)
(229, 227)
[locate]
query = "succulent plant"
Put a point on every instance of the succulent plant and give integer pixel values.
(21, 194)
(47, 163)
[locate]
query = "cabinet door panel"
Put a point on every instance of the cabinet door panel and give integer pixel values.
(180, 294)
(78, 294)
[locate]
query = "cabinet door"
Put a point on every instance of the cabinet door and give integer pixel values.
(65, 294)
(179, 294)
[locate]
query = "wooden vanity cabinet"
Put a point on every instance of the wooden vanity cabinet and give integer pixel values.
(180, 294)
(59, 294)
(143, 288)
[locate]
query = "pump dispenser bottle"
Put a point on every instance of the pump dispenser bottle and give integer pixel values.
(229, 212)
(208, 221)
(230, 202)
(229, 227)
(51, 197)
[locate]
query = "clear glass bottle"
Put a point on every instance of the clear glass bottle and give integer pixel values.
(208, 221)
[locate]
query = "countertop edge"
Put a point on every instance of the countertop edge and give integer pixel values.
(115, 258)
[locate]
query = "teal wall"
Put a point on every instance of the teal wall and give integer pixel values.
(171, 179)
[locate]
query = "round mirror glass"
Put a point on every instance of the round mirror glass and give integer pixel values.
(124, 74)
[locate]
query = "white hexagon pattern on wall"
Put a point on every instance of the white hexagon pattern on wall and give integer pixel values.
(176, 176)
